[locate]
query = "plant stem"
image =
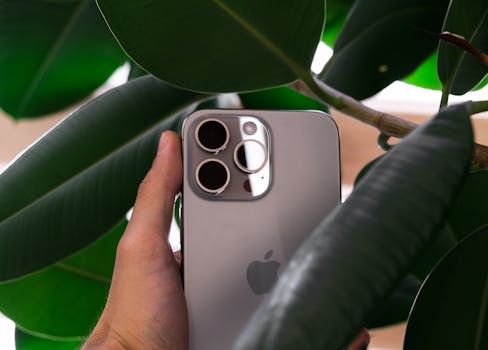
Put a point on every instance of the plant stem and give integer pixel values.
(386, 123)
(445, 96)
(479, 106)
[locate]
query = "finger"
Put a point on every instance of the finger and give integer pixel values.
(153, 209)
(360, 342)
(178, 257)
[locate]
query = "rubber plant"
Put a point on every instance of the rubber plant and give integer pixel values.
(409, 240)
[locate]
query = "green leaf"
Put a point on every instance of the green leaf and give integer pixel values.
(219, 45)
(279, 98)
(136, 71)
(458, 70)
(366, 169)
(382, 41)
(396, 308)
(335, 16)
(80, 179)
(54, 53)
(470, 210)
(25, 341)
(426, 74)
(444, 238)
(451, 310)
(361, 251)
(69, 296)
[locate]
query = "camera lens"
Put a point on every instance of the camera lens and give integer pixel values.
(249, 128)
(212, 176)
(250, 156)
(212, 135)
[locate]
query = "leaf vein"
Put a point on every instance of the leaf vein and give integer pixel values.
(83, 273)
(43, 67)
(264, 40)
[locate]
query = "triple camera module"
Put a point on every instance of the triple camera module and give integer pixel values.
(232, 157)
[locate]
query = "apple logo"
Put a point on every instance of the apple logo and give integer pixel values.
(262, 275)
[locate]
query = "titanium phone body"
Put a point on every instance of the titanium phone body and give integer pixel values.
(256, 183)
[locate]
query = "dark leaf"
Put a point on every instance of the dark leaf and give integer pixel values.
(279, 98)
(396, 307)
(426, 74)
(459, 70)
(382, 41)
(69, 296)
(470, 210)
(25, 341)
(362, 250)
(444, 239)
(451, 310)
(80, 179)
(54, 53)
(220, 45)
(136, 71)
(335, 15)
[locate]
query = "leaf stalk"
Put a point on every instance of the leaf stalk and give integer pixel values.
(387, 124)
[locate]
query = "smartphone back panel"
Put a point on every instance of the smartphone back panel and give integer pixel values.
(234, 248)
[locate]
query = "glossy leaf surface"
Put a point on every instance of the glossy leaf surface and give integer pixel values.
(279, 98)
(339, 276)
(470, 211)
(459, 70)
(451, 310)
(335, 15)
(219, 45)
(54, 53)
(426, 74)
(25, 341)
(66, 299)
(382, 41)
(80, 179)
(396, 308)
(443, 241)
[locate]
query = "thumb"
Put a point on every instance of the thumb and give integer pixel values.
(153, 209)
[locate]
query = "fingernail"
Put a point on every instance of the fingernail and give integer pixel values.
(163, 141)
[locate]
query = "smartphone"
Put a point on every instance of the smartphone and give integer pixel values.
(256, 183)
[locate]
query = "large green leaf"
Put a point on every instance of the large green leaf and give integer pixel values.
(362, 250)
(434, 252)
(470, 211)
(279, 98)
(396, 308)
(458, 70)
(335, 16)
(445, 237)
(80, 179)
(66, 299)
(25, 341)
(426, 74)
(53, 54)
(219, 45)
(382, 41)
(451, 310)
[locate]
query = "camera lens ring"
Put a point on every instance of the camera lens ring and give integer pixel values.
(205, 188)
(210, 149)
(249, 128)
(244, 168)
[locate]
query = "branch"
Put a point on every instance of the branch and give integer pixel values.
(462, 43)
(386, 123)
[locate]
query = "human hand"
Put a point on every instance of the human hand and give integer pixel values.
(146, 305)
